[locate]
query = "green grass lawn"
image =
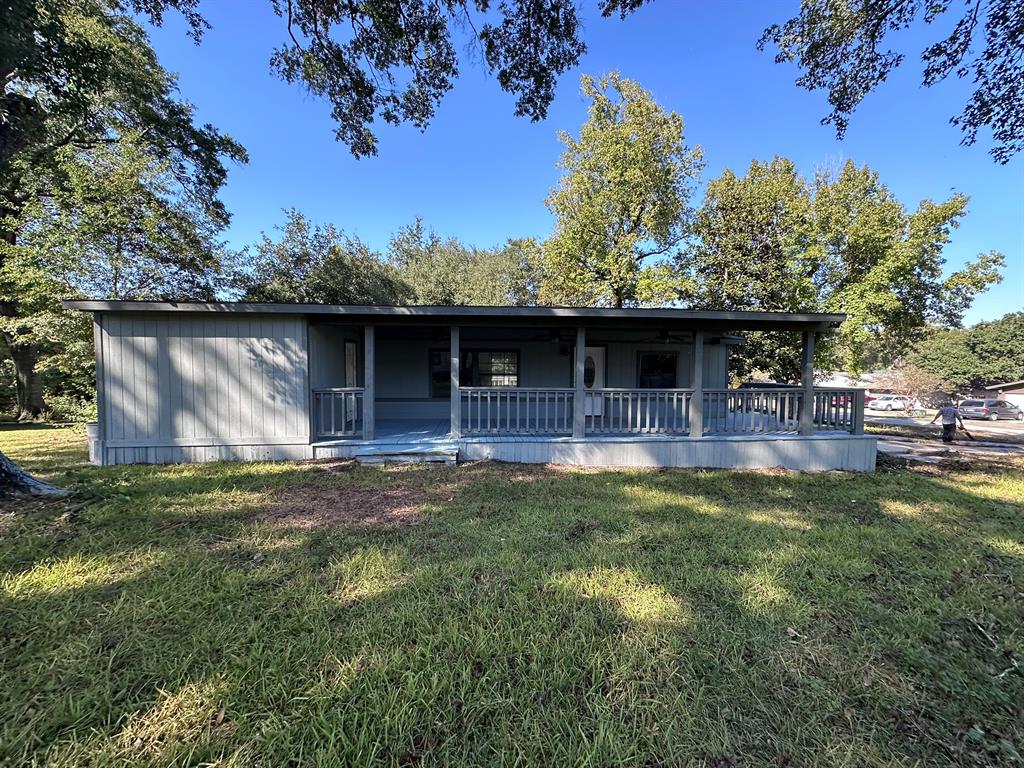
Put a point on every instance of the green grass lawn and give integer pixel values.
(312, 615)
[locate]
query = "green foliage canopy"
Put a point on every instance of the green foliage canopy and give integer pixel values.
(81, 73)
(622, 206)
(751, 237)
(982, 355)
(118, 227)
(840, 46)
(319, 263)
(771, 240)
(313, 263)
(444, 271)
(79, 80)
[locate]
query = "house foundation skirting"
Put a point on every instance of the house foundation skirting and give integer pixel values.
(194, 454)
(810, 453)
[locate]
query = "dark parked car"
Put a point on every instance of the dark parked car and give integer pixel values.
(990, 409)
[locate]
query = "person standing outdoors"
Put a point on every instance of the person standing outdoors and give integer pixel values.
(950, 416)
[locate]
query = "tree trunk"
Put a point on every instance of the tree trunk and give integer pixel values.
(28, 382)
(24, 355)
(16, 481)
(13, 479)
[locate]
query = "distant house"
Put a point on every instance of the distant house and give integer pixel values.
(865, 381)
(1011, 391)
(590, 386)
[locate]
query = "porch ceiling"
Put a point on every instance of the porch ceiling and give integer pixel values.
(496, 316)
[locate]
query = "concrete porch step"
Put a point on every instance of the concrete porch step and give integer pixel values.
(406, 454)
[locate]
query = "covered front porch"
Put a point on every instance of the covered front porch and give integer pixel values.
(558, 390)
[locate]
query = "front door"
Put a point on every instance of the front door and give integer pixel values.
(351, 364)
(594, 378)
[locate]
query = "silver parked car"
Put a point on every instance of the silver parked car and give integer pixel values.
(992, 410)
(888, 403)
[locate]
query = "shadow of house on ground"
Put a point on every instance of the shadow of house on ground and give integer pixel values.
(527, 615)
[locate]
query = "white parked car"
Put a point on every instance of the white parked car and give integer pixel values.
(889, 403)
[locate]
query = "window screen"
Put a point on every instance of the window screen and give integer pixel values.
(497, 369)
(657, 370)
(440, 373)
(478, 368)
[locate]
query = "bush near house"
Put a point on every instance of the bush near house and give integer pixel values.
(324, 614)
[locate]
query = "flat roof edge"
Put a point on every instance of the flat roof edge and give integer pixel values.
(1005, 384)
(540, 313)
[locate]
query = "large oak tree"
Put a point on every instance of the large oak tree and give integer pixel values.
(622, 205)
(841, 242)
(79, 78)
(80, 75)
(850, 47)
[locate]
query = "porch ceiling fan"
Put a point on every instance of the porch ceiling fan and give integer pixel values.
(665, 336)
(551, 334)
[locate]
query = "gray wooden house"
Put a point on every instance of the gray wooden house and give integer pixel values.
(180, 382)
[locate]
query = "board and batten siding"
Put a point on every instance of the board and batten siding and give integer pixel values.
(184, 387)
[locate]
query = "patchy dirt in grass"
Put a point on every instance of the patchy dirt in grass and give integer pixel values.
(948, 464)
(335, 466)
(345, 505)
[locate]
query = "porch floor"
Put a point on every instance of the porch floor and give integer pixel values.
(434, 432)
(400, 432)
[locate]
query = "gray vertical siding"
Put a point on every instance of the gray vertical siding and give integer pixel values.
(327, 354)
(190, 381)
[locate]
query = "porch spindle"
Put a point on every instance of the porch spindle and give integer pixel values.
(857, 426)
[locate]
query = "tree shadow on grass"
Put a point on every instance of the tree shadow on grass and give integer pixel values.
(535, 615)
(45, 448)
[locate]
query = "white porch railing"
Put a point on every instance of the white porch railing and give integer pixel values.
(752, 411)
(338, 412)
(755, 411)
(637, 411)
(839, 410)
(519, 411)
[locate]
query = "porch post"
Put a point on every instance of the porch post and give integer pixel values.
(697, 385)
(858, 412)
(456, 395)
(579, 418)
(807, 384)
(369, 401)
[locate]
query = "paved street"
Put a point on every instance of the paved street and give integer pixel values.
(980, 429)
(990, 438)
(927, 450)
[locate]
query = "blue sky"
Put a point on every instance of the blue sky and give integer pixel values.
(482, 174)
